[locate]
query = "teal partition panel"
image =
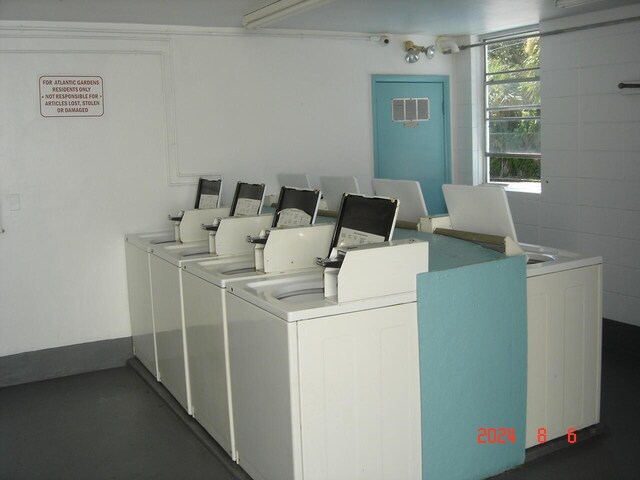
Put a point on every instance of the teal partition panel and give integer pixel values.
(473, 368)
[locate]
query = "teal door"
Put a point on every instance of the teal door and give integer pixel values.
(411, 133)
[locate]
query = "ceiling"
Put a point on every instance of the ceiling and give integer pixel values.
(433, 17)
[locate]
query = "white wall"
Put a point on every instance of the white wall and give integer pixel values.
(590, 198)
(178, 102)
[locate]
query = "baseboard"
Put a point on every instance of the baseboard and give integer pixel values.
(621, 337)
(63, 361)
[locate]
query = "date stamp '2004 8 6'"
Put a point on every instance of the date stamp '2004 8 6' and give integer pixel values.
(504, 435)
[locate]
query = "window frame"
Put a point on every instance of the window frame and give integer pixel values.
(519, 33)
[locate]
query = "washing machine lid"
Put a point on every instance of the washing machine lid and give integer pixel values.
(231, 268)
(247, 199)
(545, 260)
(220, 270)
(300, 180)
(297, 207)
(363, 220)
(334, 187)
(300, 296)
(409, 192)
(146, 241)
(483, 209)
(208, 193)
(176, 253)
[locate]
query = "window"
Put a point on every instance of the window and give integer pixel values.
(512, 109)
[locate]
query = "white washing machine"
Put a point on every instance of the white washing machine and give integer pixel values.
(564, 318)
(291, 244)
(324, 368)
(138, 248)
(229, 239)
(564, 327)
(165, 265)
(166, 292)
(205, 316)
(138, 253)
(138, 259)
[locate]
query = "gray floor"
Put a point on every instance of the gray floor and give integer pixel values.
(613, 455)
(102, 425)
(112, 425)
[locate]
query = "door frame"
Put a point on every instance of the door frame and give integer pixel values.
(444, 81)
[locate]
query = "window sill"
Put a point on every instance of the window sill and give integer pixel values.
(520, 187)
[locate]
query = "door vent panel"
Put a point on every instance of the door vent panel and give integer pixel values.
(410, 110)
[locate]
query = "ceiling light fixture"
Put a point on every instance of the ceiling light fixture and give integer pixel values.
(573, 3)
(279, 10)
(414, 51)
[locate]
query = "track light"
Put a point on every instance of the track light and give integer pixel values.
(279, 10)
(414, 51)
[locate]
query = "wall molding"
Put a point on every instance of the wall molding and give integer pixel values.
(64, 361)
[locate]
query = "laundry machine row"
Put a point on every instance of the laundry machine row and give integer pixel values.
(203, 284)
(158, 276)
(199, 346)
(277, 251)
(224, 236)
(166, 283)
(138, 250)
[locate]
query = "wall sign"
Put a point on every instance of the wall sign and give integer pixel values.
(71, 96)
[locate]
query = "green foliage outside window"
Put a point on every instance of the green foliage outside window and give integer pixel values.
(508, 169)
(513, 110)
